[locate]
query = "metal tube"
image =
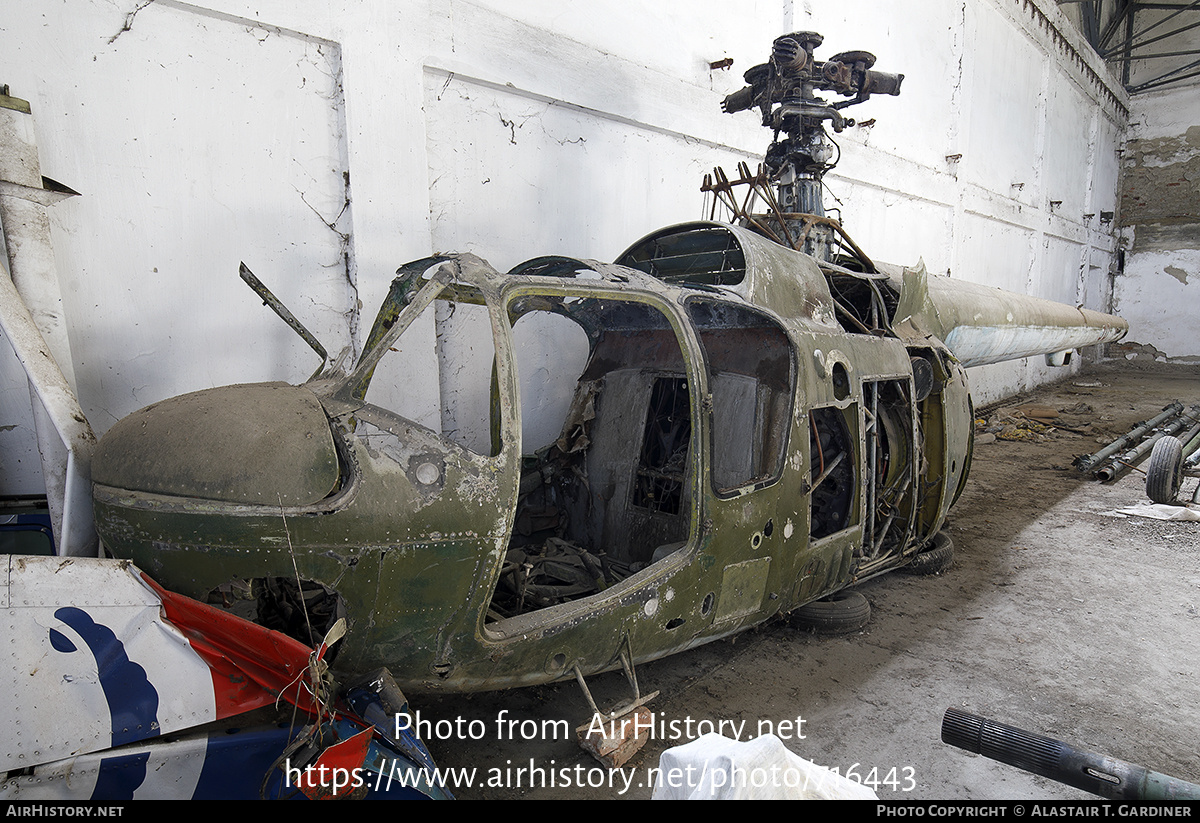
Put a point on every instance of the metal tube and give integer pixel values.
(1121, 463)
(982, 324)
(1086, 464)
(1191, 451)
(869, 468)
(276, 306)
(1095, 773)
(1190, 440)
(833, 464)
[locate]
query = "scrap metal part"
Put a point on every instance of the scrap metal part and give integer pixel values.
(1099, 774)
(111, 677)
(31, 314)
(1108, 465)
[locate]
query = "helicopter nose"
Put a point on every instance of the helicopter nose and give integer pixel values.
(259, 444)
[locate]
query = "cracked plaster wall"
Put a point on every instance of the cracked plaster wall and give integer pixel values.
(325, 142)
(1158, 290)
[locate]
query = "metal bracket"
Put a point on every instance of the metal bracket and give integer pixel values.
(630, 677)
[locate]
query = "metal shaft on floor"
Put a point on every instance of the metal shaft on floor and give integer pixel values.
(1095, 773)
(1086, 464)
(1127, 459)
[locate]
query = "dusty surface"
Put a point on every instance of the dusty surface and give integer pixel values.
(1055, 618)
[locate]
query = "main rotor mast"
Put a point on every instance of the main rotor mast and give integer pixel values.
(801, 152)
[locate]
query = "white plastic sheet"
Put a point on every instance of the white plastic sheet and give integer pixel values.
(1159, 511)
(714, 767)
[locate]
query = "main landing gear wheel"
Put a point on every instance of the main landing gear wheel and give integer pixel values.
(839, 613)
(934, 558)
(1164, 475)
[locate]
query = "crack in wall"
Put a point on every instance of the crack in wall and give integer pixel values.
(350, 264)
(512, 129)
(128, 24)
(330, 224)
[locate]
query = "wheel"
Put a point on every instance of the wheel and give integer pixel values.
(839, 613)
(1165, 471)
(934, 558)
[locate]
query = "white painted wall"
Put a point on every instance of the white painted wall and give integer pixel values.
(326, 142)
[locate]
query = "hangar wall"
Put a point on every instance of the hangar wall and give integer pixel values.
(325, 142)
(1158, 289)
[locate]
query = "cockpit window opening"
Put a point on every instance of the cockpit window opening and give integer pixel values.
(752, 376)
(709, 256)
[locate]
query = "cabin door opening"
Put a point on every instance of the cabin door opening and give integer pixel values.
(607, 472)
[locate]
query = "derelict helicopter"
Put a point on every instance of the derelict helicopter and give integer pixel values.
(732, 421)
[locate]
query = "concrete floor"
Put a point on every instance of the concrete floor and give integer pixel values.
(1055, 617)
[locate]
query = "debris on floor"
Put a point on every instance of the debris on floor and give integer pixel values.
(613, 741)
(1034, 423)
(1159, 511)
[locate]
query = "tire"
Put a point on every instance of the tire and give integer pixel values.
(935, 558)
(839, 613)
(1164, 475)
